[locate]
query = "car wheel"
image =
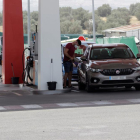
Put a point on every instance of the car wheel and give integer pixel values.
(81, 86)
(128, 87)
(137, 87)
(88, 87)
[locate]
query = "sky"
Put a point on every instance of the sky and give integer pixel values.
(86, 4)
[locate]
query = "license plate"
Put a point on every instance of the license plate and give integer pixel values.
(117, 77)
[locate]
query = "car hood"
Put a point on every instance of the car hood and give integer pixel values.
(114, 64)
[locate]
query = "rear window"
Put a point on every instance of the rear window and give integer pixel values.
(111, 53)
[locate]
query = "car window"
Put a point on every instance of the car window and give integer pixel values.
(111, 53)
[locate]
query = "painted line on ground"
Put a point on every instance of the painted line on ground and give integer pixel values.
(17, 94)
(67, 104)
(102, 103)
(35, 106)
(64, 105)
(2, 108)
(13, 107)
(134, 100)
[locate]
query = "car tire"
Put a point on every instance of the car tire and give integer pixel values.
(137, 87)
(81, 86)
(128, 87)
(88, 87)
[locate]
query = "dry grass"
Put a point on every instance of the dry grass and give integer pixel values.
(85, 31)
(134, 20)
(104, 19)
(1, 29)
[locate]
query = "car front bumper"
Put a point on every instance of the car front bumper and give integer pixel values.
(98, 79)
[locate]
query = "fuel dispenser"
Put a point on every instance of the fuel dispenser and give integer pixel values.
(30, 72)
(1, 44)
(34, 54)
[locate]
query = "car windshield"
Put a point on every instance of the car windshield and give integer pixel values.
(111, 53)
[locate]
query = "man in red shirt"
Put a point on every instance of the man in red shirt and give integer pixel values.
(68, 58)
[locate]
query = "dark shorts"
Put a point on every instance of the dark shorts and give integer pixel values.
(68, 66)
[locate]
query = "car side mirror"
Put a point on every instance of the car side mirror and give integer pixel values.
(138, 56)
(83, 58)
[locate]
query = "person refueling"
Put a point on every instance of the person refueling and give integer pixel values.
(69, 55)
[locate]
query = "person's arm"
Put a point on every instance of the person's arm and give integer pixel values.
(66, 53)
(73, 55)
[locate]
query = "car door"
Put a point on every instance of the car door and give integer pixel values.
(84, 65)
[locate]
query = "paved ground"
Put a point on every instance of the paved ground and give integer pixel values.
(105, 114)
(87, 123)
(15, 98)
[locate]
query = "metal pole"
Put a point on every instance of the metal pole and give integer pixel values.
(93, 17)
(28, 22)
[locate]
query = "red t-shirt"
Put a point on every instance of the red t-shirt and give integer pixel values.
(70, 51)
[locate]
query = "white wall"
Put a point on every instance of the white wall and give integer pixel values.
(49, 44)
(135, 33)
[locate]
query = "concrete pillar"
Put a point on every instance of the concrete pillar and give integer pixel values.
(29, 23)
(49, 46)
(13, 43)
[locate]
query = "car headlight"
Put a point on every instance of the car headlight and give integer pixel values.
(95, 70)
(137, 68)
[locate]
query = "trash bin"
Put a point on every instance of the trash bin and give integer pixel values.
(15, 80)
(51, 85)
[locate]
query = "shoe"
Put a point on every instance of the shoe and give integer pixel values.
(64, 86)
(70, 86)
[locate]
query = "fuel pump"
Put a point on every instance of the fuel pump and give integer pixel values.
(1, 44)
(30, 72)
(34, 45)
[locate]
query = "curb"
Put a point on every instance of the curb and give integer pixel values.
(50, 92)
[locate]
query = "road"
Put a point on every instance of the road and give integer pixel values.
(105, 114)
(87, 123)
(24, 97)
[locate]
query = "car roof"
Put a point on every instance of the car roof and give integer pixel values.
(82, 43)
(110, 45)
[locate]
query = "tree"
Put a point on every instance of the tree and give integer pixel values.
(81, 15)
(65, 14)
(1, 19)
(34, 15)
(25, 27)
(73, 27)
(25, 22)
(104, 10)
(137, 12)
(118, 17)
(135, 9)
(33, 25)
(33, 20)
(132, 9)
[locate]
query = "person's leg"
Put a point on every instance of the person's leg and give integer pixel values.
(70, 77)
(70, 73)
(67, 69)
(65, 79)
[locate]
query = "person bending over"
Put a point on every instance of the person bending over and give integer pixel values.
(68, 61)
